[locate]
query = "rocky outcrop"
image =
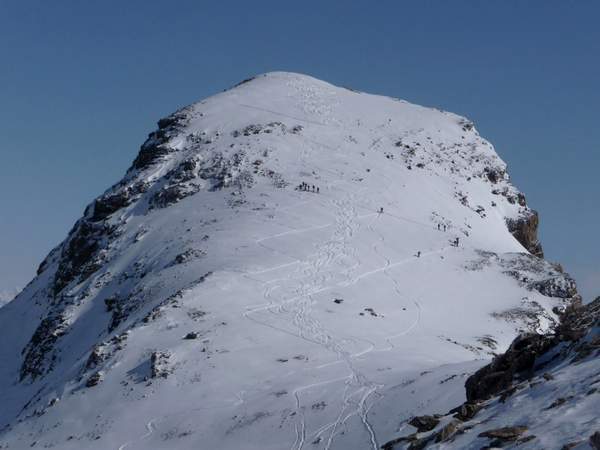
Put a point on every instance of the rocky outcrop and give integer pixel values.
(424, 423)
(116, 199)
(160, 364)
(417, 442)
(498, 376)
(83, 253)
(156, 146)
(95, 379)
(520, 359)
(504, 435)
(37, 360)
(524, 229)
(577, 319)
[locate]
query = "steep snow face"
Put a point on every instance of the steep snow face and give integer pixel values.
(214, 299)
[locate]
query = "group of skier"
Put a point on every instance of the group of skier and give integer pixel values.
(442, 226)
(308, 187)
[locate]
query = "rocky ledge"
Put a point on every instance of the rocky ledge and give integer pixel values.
(529, 362)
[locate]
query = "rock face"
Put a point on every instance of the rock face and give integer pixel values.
(519, 359)
(525, 229)
(283, 263)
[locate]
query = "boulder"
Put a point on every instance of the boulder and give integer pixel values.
(505, 433)
(446, 433)
(424, 423)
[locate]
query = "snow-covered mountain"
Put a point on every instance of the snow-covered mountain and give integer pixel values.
(287, 264)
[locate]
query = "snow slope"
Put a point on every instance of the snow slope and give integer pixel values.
(550, 402)
(205, 301)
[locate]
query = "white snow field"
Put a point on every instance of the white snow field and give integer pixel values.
(207, 302)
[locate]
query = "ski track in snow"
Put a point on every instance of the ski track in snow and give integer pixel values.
(149, 432)
(315, 278)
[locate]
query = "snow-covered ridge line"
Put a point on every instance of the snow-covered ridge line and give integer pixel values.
(275, 238)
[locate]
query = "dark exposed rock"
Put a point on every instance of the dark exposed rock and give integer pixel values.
(447, 432)
(192, 335)
(494, 174)
(188, 255)
(507, 393)
(156, 145)
(111, 202)
(577, 319)
(253, 129)
(108, 204)
(520, 358)
(424, 423)
(111, 303)
(152, 150)
(38, 358)
(499, 374)
(585, 349)
(558, 402)
(82, 254)
(505, 433)
(119, 310)
(415, 443)
(466, 411)
(556, 287)
(524, 229)
(94, 379)
(390, 445)
(215, 173)
(247, 80)
(419, 444)
(185, 171)
(180, 184)
(159, 364)
(224, 172)
(95, 359)
(595, 440)
(169, 195)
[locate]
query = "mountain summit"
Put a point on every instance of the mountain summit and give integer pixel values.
(286, 264)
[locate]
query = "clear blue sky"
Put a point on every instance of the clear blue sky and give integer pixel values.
(82, 84)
